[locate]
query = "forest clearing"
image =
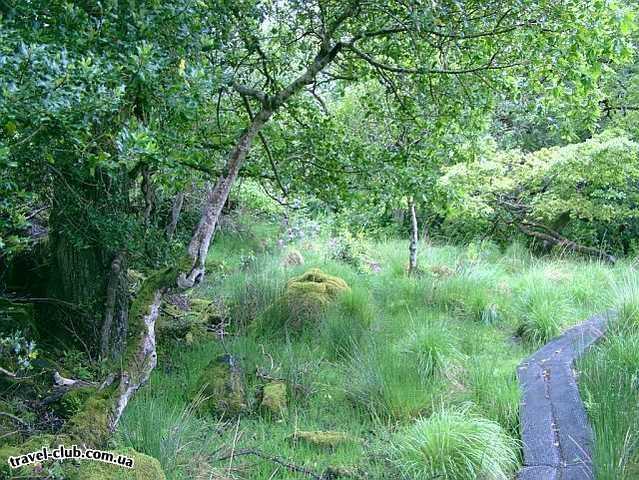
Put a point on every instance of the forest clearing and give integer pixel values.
(319, 239)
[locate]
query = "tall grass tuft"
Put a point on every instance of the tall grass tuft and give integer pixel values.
(471, 293)
(433, 345)
(542, 310)
(345, 324)
(495, 390)
(390, 383)
(168, 431)
(454, 444)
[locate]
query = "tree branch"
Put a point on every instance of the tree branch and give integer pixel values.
(429, 71)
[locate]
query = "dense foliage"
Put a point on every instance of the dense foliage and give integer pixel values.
(155, 155)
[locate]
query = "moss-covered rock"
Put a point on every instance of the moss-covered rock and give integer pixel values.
(144, 468)
(274, 398)
(309, 294)
(320, 438)
(33, 444)
(222, 386)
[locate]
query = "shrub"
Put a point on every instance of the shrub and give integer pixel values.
(347, 248)
(454, 444)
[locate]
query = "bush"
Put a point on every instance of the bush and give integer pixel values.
(454, 445)
(348, 249)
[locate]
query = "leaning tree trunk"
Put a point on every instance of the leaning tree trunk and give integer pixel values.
(216, 197)
(140, 356)
(412, 249)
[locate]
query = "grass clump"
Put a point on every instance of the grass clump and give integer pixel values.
(471, 294)
(542, 311)
(454, 444)
(346, 323)
(433, 345)
(390, 383)
(494, 388)
(169, 431)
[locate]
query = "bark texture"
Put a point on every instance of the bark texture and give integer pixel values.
(115, 311)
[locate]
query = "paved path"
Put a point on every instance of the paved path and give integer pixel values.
(555, 431)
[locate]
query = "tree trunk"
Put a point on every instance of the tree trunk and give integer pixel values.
(176, 209)
(149, 195)
(115, 311)
(215, 199)
(140, 362)
(412, 249)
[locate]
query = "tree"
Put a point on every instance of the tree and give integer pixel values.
(135, 82)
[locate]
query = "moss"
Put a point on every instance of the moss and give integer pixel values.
(73, 401)
(222, 387)
(310, 293)
(144, 468)
(90, 426)
(274, 398)
(319, 438)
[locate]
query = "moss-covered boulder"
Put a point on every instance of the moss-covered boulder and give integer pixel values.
(274, 398)
(33, 444)
(222, 386)
(91, 423)
(330, 439)
(144, 468)
(309, 294)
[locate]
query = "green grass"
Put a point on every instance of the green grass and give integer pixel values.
(610, 388)
(424, 363)
(455, 444)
